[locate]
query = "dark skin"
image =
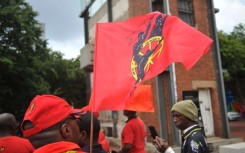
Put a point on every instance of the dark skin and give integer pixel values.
(181, 122)
(7, 125)
(67, 131)
(160, 144)
(84, 139)
(127, 146)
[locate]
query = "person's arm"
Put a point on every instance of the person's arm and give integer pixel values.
(162, 145)
(125, 148)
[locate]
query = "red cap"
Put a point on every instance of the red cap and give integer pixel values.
(45, 111)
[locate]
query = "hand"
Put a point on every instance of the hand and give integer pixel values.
(160, 144)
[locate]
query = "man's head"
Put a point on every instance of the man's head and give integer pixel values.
(50, 119)
(84, 123)
(7, 124)
(129, 113)
(184, 114)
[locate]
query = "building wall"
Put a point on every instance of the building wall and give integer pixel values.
(138, 7)
(204, 68)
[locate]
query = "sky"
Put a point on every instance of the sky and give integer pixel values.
(64, 28)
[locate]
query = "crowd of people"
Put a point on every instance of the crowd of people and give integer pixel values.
(51, 125)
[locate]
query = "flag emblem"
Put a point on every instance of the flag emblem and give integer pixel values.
(147, 49)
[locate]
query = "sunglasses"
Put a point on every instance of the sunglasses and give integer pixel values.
(74, 116)
(78, 114)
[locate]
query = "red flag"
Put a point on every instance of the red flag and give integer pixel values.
(141, 100)
(137, 49)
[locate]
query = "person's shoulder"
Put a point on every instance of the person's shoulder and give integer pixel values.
(14, 138)
(74, 151)
(198, 137)
(14, 143)
(135, 120)
(197, 134)
(132, 122)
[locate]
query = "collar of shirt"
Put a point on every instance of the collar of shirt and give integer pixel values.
(95, 147)
(135, 116)
(189, 128)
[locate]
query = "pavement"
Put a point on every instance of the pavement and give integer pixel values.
(237, 128)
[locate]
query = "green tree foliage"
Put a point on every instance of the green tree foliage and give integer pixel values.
(21, 51)
(27, 66)
(66, 79)
(232, 48)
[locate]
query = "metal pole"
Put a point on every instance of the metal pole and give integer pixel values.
(160, 102)
(85, 15)
(109, 6)
(172, 100)
(161, 107)
(219, 74)
(172, 88)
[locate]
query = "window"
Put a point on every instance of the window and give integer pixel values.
(185, 8)
(157, 5)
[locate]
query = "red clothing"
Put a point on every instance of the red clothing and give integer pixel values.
(60, 147)
(11, 144)
(103, 141)
(134, 133)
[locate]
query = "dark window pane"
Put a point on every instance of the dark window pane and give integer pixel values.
(157, 5)
(186, 13)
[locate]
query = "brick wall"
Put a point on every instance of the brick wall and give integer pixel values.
(138, 7)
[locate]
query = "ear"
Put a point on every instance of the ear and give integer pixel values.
(65, 130)
(84, 134)
(13, 126)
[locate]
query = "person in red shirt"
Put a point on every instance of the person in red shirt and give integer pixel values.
(102, 140)
(133, 136)
(9, 142)
(50, 125)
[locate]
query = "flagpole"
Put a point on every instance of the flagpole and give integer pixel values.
(162, 114)
(91, 131)
(93, 96)
(172, 95)
(173, 91)
(161, 107)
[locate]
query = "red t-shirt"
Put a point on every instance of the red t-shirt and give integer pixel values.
(103, 141)
(134, 133)
(11, 144)
(60, 147)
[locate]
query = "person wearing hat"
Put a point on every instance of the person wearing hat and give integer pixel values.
(9, 142)
(102, 139)
(185, 119)
(50, 125)
(133, 136)
(84, 123)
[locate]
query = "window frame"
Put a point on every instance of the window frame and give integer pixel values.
(186, 11)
